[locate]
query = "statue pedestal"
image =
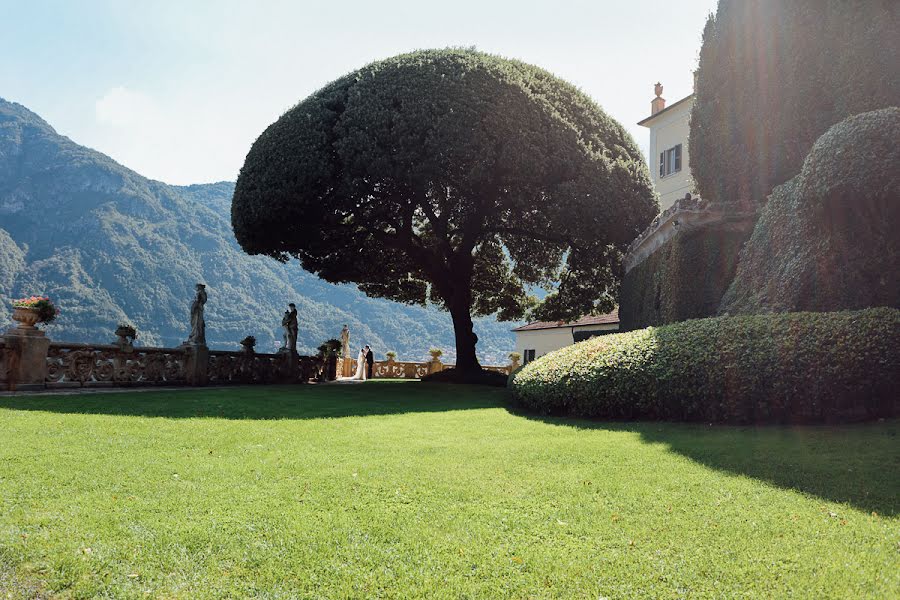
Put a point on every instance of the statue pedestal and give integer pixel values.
(291, 367)
(196, 364)
(346, 367)
(26, 359)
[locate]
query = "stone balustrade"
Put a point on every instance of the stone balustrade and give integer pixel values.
(392, 369)
(33, 363)
(101, 365)
(227, 367)
(685, 215)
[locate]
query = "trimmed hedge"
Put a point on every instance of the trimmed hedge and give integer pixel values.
(827, 239)
(684, 279)
(780, 368)
(773, 76)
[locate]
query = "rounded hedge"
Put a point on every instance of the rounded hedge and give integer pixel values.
(779, 368)
(827, 239)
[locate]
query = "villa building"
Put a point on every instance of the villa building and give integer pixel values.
(669, 156)
(538, 338)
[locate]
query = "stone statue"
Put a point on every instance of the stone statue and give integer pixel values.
(292, 328)
(284, 330)
(198, 324)
(345, 342)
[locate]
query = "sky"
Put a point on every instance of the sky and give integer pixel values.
(179, 90)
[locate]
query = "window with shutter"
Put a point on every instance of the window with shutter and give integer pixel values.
(662, 164)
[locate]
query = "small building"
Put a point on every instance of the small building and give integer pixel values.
(538, 338)
(669, 155)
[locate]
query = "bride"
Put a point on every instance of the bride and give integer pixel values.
(360, 367)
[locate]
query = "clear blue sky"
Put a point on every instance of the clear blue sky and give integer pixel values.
(178, 90)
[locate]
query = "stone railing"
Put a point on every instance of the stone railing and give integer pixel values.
(391, 369)
(228, 367)
(685, 215)
(30, 361)
(86, 365)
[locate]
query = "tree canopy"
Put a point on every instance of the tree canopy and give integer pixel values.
(774, 76)
(450, 176)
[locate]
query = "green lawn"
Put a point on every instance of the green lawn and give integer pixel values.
(410, 490)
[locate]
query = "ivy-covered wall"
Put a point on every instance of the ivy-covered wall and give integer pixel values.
(684, 279)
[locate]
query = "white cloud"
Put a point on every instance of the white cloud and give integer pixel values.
(122, 107)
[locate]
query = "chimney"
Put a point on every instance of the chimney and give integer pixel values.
(658, 103)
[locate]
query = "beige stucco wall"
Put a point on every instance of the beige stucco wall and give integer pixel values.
(670, 128)
(543, 341)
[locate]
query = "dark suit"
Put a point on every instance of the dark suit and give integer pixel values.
(370, 359)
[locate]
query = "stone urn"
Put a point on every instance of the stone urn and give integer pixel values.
(27, 317)
(248, 344)
(125, 336)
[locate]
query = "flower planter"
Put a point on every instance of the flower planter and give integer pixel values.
(27, 317)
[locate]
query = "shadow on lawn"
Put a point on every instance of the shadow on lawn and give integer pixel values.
(856, 464)
(267, 402)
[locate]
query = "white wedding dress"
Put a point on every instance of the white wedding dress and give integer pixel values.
(360, 374)
(360, 367)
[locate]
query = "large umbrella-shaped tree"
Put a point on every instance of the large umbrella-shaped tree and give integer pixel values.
(450, 176)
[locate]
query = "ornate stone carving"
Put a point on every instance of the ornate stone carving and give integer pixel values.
(85, 365)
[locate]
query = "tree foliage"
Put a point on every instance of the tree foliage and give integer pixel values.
(450, 176)
(774, 75)
(110, 246)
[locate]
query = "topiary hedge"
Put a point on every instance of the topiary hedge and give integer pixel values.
(774, 75)
(827, 239)
(683, 279)
(780, 368)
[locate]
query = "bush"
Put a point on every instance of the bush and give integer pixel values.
(330, 348)
(827, 239)
(668, 286)
(781, 368)
(773, 76)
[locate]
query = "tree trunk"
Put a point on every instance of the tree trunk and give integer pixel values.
(466, 360)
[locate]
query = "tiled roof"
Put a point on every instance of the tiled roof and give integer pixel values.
(607, 319)
(673, 105)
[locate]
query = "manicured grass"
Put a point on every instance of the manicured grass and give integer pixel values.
(411, 490)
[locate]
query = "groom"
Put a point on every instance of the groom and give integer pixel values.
(370, 359)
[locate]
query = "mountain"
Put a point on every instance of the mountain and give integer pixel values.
(112, 246)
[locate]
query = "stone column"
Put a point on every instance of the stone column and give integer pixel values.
(291, 367)
(435, 366)
(196, 364)
(26, 359)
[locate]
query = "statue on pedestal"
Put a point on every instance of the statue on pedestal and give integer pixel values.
(345, 342)
(293, 328)
(198, 324)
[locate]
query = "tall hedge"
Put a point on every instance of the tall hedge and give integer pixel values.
(774, 75)
(828, 239)
(668, 286)
(782, 368)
